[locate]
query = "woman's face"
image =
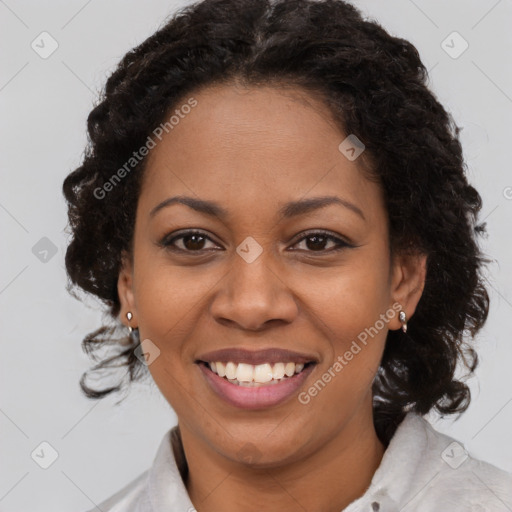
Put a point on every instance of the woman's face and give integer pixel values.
(275, 270)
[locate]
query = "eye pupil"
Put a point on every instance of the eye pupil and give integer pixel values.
(316, 239)
(194, 242)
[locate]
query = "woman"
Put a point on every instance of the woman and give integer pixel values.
(274, 206)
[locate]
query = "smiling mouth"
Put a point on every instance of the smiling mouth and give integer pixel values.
(248, 375)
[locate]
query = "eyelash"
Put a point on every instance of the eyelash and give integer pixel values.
(169, 243)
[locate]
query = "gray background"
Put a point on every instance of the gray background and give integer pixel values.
(44, 105)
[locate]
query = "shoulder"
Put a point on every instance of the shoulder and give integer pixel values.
(126, 498)
(162, 483)
(447, 476)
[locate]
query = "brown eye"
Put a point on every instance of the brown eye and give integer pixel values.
(317, 242)
(191, 241)
(195, 241)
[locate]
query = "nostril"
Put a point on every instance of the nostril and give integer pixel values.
(375, 506)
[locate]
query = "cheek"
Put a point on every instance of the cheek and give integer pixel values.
(166, 298)
(350, 298)
(168, 295)
(352, 311)
(352, 307)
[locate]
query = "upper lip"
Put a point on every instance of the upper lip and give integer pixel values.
(255, 357)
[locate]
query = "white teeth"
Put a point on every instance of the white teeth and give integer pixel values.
(221, 369)
(263, 373)
(278, 371)
(254, 384)
(245, 374)
(289, 369)
(231, 370)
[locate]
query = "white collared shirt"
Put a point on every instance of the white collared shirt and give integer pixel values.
(422, 470)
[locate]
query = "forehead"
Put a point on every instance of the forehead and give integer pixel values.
(243, 146)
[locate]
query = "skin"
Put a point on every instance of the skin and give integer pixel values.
(251, 150)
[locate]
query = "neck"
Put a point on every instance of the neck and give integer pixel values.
(327, 480)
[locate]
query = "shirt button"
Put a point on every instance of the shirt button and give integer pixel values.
(383, 503)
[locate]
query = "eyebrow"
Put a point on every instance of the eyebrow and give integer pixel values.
(287, 211)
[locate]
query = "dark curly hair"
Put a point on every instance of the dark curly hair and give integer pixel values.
(375, 86)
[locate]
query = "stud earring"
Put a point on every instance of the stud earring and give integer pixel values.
(403, 319)
(134, 331)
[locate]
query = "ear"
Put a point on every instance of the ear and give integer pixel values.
(409, 271)
(125, 292)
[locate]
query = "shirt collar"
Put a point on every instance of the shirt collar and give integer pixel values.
(394, 476)
(167, 476)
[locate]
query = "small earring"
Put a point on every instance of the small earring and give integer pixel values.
(129, 316)
(403, 319)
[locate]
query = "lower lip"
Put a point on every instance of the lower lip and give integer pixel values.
(255, 397)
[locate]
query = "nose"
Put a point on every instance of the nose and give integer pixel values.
(254, 295)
